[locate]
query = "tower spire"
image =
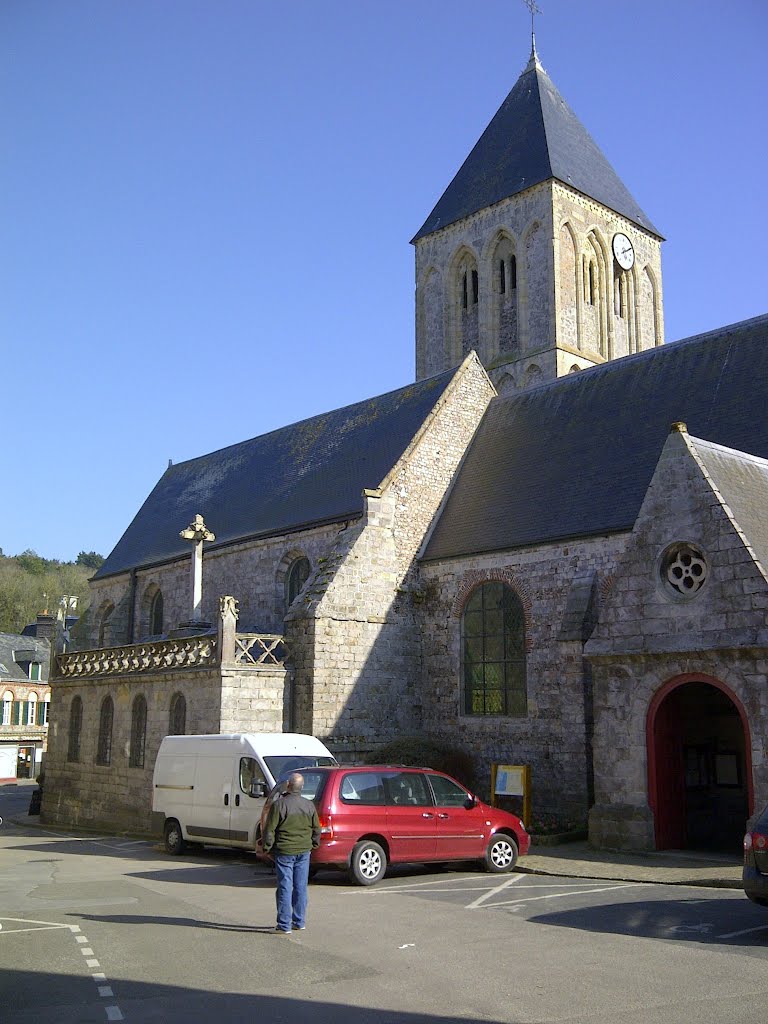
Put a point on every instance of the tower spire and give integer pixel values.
(534, 9)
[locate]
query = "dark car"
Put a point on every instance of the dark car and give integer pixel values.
(755, 874)
(374, 815)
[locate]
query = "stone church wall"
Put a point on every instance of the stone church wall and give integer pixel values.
(254, 572)
(553, 737)
(119, 795)
(576, 217)
(526, 220)
(353, 635)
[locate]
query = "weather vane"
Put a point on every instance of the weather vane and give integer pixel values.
(534, 8)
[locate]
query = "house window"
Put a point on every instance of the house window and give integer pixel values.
(298, 574)
(75, 728)
(34, 670)
(177, 718)
(493, 652)
(42, 711)
(156, 614)
(106, 717)
(7, 707)
(20, 712)
(138, 732)
(32, 709)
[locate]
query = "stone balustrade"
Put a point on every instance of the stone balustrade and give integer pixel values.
(259, 649)
(250, 649)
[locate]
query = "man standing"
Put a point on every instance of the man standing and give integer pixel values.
(291, 832)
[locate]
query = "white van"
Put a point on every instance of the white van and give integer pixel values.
(211, 789)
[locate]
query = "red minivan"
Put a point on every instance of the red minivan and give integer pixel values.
(375, 815)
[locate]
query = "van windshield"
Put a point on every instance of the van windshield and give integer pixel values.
(284, 763)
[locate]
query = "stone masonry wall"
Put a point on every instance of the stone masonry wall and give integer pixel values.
(553, 736)
(254, 572)
(354, 637)
(647, 636)
(575, 216)
(119, 795)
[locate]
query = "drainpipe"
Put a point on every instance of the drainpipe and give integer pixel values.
(132, 606)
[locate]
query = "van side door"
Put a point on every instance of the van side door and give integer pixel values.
(209, 815)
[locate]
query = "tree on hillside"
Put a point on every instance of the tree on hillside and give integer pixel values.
(90, 559)
(30, 584)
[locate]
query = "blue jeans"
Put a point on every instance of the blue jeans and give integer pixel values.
(292, 870)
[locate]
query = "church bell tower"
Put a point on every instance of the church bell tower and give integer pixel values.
(536, 255)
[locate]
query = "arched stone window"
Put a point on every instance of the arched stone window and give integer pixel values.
(156, 614)
(104, 745)
(493, 652)
(298, 574)
(105, 629)
(465, 305)
(75, 728)
(177, 717)
(504, 295)
(7, 707)
(31, 708)
(138, 732)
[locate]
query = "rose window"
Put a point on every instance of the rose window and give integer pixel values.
(684, 569)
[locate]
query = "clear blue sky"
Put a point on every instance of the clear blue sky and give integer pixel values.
(206, 207)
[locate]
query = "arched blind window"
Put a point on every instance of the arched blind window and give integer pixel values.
(104, 746)
(156, 615)
(75, 728)
(493, 652)
(177, 718)
(298, 575)
(138, 732)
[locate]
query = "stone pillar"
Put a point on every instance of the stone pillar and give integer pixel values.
(227, 629)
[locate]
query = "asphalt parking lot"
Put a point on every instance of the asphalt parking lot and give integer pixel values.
(97, 928)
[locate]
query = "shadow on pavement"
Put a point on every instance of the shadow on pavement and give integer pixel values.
(25, 1001)
(700, 920)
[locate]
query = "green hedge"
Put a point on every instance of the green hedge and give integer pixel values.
(423, 752)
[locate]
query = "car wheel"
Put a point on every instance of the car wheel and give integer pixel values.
(174, 840)
(368, 864)
(501, 853)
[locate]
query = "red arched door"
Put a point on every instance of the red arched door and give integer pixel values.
(699, 765)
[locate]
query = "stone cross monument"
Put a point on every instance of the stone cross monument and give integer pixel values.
(196, 533)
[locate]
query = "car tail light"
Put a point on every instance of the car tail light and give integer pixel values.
(326, 828)
(755, 841)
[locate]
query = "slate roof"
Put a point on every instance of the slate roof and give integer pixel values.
(534, 136)
(301, 475)
(742, 481)
(13, 646)
(574, 458)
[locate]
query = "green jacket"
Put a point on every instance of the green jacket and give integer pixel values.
(292, 825)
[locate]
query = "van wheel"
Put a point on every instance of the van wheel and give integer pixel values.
(368, 864)
(174, 840)
(501, 853)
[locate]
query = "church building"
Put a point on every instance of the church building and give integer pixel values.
(550, 550)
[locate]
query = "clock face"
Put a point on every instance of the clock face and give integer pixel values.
(623, 251)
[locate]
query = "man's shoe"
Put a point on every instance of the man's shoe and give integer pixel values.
(283, 931)
(299, 927)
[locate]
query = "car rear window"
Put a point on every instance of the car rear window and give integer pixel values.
(362, 788)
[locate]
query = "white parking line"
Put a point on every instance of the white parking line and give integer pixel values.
(492, 892)
(562, 895)
(744, 931)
